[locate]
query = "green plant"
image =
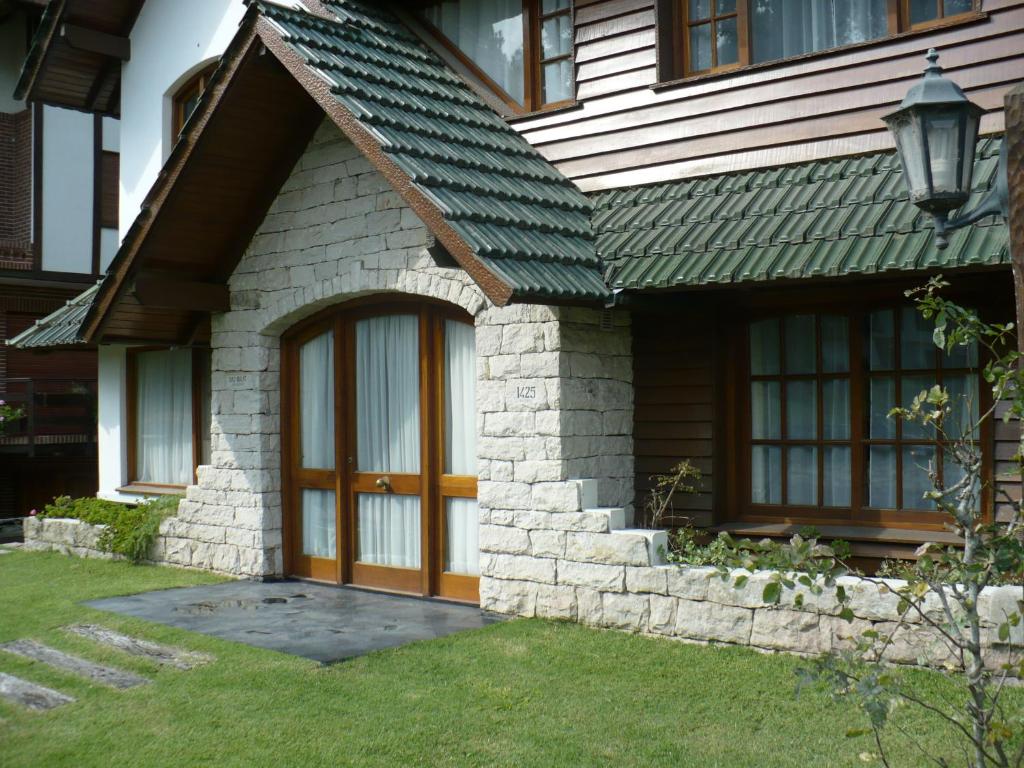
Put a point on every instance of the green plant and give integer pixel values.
(130, 530)
(684, 477)
(9, 414)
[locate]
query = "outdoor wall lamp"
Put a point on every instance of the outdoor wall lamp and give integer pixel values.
(936, 131)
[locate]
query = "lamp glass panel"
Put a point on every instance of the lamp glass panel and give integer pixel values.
(944, 151)
(908, 135)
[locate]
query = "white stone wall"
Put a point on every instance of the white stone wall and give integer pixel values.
(554, 389)
(69, 537)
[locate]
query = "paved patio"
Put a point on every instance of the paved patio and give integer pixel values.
(318, 622)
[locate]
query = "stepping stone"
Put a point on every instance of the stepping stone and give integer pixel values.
(115, 678)
(161, 654)
(31, 695)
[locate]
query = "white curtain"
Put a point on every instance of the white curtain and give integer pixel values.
(460, 398)
(784, 28)
(490, 33)
(164, 417)
(389, 530)
(462, 535)
(318, 530)
(316, 403)
(388, 435)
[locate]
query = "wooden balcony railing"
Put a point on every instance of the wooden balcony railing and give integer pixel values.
(59, 416)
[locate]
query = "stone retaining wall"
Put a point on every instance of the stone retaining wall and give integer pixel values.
(65, 535)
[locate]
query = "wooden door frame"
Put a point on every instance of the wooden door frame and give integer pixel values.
(434, 487)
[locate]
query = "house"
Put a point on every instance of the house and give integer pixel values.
(58, 231)
(424, 294)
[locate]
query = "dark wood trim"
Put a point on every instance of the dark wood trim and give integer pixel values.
(93, 41)
(37, 187)
(97, 189)
(163, 292)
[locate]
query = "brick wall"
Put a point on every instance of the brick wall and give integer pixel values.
(16, 190)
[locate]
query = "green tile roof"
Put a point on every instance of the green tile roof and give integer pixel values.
(831, 218)
(61, 328)
(522, 219)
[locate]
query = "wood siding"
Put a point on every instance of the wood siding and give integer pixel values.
(674, 416)
(813, 107)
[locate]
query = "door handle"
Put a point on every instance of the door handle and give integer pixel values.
(384, 483)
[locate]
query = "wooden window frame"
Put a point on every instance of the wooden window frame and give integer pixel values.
(432, 485)
(533, 63)
(192, 88)
(676, 13)
(858, 514)
(131, 419)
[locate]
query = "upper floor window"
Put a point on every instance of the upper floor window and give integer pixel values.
(718, 35)
(186, 99)
(522, 48)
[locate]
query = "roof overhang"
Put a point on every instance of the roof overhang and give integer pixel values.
(76, 56)
(255, 120)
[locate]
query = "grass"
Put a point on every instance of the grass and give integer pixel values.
(521, 693)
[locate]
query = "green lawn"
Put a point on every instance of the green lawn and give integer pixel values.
(523, 693)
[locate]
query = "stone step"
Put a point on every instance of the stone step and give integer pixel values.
(588, 493)
(115, 678)
(161, 654)
(616, 516)
(657, 542)
(30, 695)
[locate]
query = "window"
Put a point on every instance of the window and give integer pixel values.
(187, 99)
(821, 387)
(522, 48)
(717, 35)
(168, 407)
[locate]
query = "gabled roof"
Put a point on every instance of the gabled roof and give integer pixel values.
(832, 218)
(75, 57)
(62, 328)
(519, 228)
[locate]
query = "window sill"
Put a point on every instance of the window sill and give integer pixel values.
(555, 110)
(852, 533)
(962, 20)
(146, 489)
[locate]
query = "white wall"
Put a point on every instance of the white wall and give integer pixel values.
(171, 40)
(111, 414)
(68, 162)
(12, 54)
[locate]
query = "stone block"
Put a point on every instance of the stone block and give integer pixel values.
(650, 579)
(547, 543)
(589, 607)
(840, 635)
(868, 600)
(556, 602)
(515, 598)
(662, 618)
(606, 578)
(711, 621)
(626, 611)
(503, 539)
(517, 567)
(748, 596)
(787, 630)
(690, 583)
(615, 548)
(555, 497)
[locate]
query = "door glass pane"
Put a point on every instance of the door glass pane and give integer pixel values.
(912, 386)
(801, 354)
(883, 400)
(318, 532)
(462, 530)
(727, 41)
(916, 483)
(835, 344)
(802, 476)
(882, 477)
(881, 341)
(389, 530)
(917, 350)
(764, 347)
(163, 412)
(725, 7)
(700, 47)
(388, 394)
(316, 402)
(765, 410)
(837, 476)
(459, 398)
(801, 410)
(835, 395)
(489, 33)
(699, 9)
(766, 475)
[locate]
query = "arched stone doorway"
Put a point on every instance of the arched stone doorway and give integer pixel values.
(379, 447)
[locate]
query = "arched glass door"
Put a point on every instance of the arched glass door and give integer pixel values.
(380, 467)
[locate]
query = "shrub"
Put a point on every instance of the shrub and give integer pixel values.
(130, 530)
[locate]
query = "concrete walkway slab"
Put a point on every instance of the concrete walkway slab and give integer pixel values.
(97, 673)
(318, 622)
(30, 695)
(160, 654)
